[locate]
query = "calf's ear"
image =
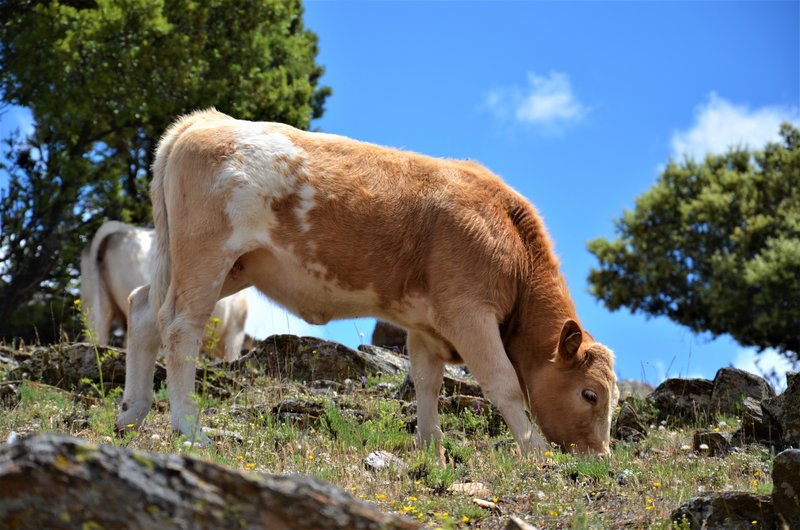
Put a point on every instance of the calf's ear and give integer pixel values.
(568, 344)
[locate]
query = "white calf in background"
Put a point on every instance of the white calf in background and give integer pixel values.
(117, 261)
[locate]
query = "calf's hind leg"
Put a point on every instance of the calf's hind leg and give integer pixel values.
(140, 360)
(182, 320)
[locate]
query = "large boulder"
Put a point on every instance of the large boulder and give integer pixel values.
(633, 388)
(628, 426)
(711, 443)
(786, 488)
(758, 425)
(389, 336)
(682, 399)
(790, 417)
(732, 386)
(310, 358)
(730, 510)
(60, 482)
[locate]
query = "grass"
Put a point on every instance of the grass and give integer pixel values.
(637, 486)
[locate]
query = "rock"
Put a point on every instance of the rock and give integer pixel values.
(378, 460)
(682, 399)
(58, 482)
(717, 443)
(758, 425)
(389, 336)
(732, 386)
(790, 416)
(66, 366)
(486, 505)
(310, 358)
(515, 523)
(628, 426)
(633, 388)
(786, 488)
(726, 511)
(452, 385)
(495, 424)
(472, 489)
(299, 412)
(9, 392)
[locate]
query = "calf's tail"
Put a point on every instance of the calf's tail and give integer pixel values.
(93, 289)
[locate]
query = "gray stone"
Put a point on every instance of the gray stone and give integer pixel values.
(790, 417)
(60, 482)
(310, 358)
(628, 426)
(389, 336)
(718, 443)
(758, 425)
(786, 488)
(379, 460)
(452, 385)
(732, 386)
(633, 388)
(515, 523)
(682, 399)
(726, 511)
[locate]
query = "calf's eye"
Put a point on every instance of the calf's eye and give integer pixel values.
(589, 396)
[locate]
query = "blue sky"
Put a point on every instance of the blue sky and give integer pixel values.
(577, 105)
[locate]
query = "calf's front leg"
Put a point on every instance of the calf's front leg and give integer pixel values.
(477, 339)
(427, 372)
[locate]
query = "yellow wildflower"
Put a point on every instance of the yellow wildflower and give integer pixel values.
(548, 454)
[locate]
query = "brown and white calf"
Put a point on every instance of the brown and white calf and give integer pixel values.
(330, 228)
(117, 261)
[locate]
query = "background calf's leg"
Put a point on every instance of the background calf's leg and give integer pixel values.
(140, 361)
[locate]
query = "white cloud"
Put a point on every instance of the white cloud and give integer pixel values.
(764, 364)
(720, 125)
(547, 103)
(265, 318)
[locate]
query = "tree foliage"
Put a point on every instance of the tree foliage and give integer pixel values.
(103, 80)
(714, 246)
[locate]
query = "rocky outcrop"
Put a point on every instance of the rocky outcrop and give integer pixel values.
(758, 425)
(790, 410)
(786, 488)
(732, 386)
(310, 358)
(628, 426)
(59, 482)
(712, 443)
(389, 336)
(682, 399)
(732, 509)
(725, 511)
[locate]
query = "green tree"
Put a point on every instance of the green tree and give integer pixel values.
(103, 79)
(714, 246)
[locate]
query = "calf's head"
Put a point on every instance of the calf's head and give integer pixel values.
(574, 394)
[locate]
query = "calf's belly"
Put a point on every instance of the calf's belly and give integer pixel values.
(304, 289)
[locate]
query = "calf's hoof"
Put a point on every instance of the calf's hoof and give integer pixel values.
(131, 417)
